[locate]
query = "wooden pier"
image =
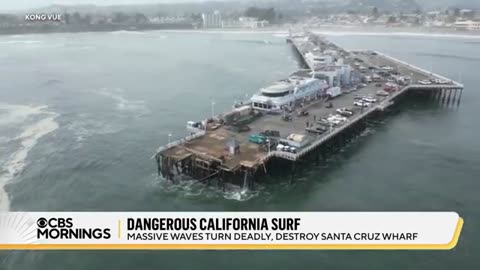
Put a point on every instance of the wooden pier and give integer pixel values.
(204, 156)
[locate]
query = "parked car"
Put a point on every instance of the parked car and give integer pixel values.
(376, 78)
(270, 133)
(286, 117)
(425, 82)
(292, 149)
(335, 122)
(336, 119)
(369, 100)
(391, 88)
(323, 121)
(382, 93)
(383, 74)
(280, 147)
(361, 104)
(440, 81)
(302, 113)
(316, 130)
(321, 128)
(362, 85)
(345, 112)
(257, 139)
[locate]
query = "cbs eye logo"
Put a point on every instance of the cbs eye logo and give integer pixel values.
(54, 223)
(42, 222)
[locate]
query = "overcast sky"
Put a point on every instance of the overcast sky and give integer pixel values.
(26, 4)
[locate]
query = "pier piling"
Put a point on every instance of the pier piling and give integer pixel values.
(460, 97)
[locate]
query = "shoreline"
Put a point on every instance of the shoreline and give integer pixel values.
(55, 29)
(341, 31)
(280, 30)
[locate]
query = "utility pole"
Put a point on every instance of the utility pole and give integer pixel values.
(213, 109)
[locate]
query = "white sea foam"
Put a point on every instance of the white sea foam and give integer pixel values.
(80, 48)
(16, 162)
(411, 34)
(336, 32)
(193, 188)
(87, 126)
(25, 42)
(18, 113)
(241, 196)
(123, 103)
(120, 32)
(225, 31)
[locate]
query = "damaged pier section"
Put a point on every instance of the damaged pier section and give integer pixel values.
(242, 145)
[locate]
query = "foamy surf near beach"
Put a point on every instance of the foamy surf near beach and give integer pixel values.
(38, 123)
(332, 31)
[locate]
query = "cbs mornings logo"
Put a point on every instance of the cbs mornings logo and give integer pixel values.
(63, 228)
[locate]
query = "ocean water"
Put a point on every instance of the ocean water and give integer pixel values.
(81, 115)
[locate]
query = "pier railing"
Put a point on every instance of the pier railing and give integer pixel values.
(420, 70)
(181, 141)
(302, 54)
(334, 131)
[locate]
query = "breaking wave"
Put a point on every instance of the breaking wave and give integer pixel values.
(410, 34)
(189, 188)
(257, 42)
(24, 42)
(240, 194)
(123, 103)
(280, 35)
(79, 47)
(121, 32)
(31, 133)
(337, 32)
(15, 114)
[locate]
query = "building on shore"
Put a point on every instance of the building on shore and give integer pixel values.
(212, 20)
(467, 25)
(244, 22)
(252, 22)
(166, 19)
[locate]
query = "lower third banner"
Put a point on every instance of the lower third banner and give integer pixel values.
(229, 230)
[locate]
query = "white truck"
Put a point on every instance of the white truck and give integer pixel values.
(194, 127)
(334, 91)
